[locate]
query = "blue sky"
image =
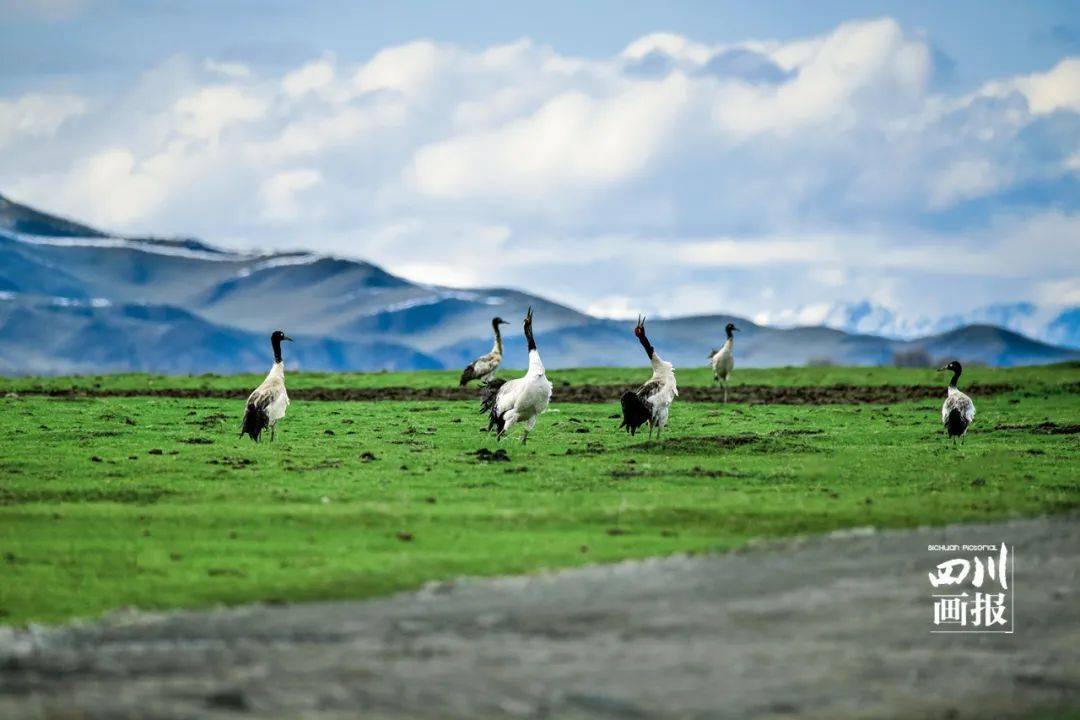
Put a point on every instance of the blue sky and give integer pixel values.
(771, 159)
(98, 43)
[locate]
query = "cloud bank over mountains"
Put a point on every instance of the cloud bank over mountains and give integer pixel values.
(760, 178)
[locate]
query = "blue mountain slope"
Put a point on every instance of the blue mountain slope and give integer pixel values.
(1065, 328)
(317, 294)
(441, 318)
(22, 219)
(73, 299)
(991, 345)
(22, 274)
(70, 338)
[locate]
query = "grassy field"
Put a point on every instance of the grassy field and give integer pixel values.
(792, 376)
(154, 502)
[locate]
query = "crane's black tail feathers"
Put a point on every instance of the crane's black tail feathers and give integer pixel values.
(956, 424)
(635, 412)
(255, 421)
(489, 393)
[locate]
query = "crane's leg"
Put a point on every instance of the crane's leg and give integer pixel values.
(529, 425)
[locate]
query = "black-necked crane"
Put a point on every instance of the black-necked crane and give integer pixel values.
(522, 400)
(723, 359)
(651, 402)
(958, 411)
(267, 404)
(483, 368)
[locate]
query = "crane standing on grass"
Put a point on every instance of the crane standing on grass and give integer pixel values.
(958, 411)
(267, 404)
(522, 400)
(723, 360)
(483, 368)
(650, 402)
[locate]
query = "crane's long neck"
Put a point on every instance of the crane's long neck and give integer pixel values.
(955, 378)
(536, 367)
(529, 338)
(646, 344)
(276, 342)
(497, 347)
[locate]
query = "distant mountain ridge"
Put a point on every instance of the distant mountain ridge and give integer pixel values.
(76, 300)
(1051, 324)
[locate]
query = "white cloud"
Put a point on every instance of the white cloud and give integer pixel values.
(210, 110)
(964, 179)
(120, 188)
(572, 143)
(1058, 89)
(312, 77)
(37, 115)
(280, 192)
(407, 69)
(673, 177)
(232, 70)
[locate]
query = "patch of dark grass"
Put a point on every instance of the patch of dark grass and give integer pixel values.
(230, 461)
(484, 455)
(210, 421)
(327, 464)
(698, 444)
(1043, 428)
(125, 496)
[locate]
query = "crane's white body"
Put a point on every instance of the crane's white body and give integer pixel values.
(723, 362)
(659, 392)
(524, 399)
(484, 367)
(957, 400)
(271, 395)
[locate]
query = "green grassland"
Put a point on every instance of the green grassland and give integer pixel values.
(791, 376)
(155, 502)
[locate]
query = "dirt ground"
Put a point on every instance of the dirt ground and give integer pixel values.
(747, 394)
(833, 627)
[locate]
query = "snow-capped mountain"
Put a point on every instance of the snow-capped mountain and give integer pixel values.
(1052, 324)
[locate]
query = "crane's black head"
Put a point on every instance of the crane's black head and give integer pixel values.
(956, 369)
(954, 366)
(528, 329)
(730, 329)
(639, 331)
(275, 342)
